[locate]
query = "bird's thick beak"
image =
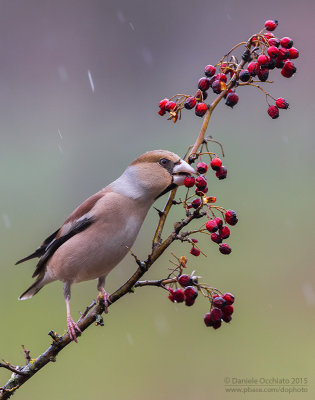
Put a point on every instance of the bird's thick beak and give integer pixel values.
(180, 171)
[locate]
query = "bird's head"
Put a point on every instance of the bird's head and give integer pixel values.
(155, 173)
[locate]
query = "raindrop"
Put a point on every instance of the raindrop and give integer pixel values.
(132, 26)
(121, 17)
(6, 220)
(309, 293)
(91, 81)
(130, 339)
(59, 131)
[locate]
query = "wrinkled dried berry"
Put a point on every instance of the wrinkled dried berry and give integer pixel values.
(263, 74)
(170, 106)
(196, 203)
(273, 51)
(162, 104)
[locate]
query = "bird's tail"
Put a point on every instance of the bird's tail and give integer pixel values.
(33, 289)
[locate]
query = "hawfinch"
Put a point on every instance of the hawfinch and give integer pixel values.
(97, 235)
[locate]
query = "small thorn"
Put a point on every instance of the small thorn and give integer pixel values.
(161, 213)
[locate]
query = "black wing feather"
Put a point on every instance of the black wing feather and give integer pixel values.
(79, 226)
(41, 249)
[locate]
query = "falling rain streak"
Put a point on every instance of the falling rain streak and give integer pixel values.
(91, 81)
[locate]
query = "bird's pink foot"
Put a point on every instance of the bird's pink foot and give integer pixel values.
(105, 297)
(72, 329)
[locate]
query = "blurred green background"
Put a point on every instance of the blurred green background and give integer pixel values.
(61, 141)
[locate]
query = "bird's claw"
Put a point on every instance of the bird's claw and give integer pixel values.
(104, 296)
(72, 329)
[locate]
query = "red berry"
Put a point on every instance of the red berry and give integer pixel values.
(202, 168)
(209, 70)
(194, 251)
(207, 319)
(219, 302)
(231, 99)
(170, 106)
(230, 217)
(185, 280)
(201, 191)
(162, 104)
(286, 42)
(293, 53)
(170, 296)
(218, 86)
(228, 309)
(286, 73)
(273, 51)
(196, 203)
(189, 302)
(216, 163)
(178, 295)
(225, 248)
(289, 66)
(201, 182)
(273, 112)
(283, 53)
(201, 109)
(189, 181)
(229, 298)
(253, 68)
(191, 294)
(224, 232)
(216, 238)
(282, 103)
(219, 222)
(269, 35)
(221, 77)
(262, 60)
(215, 314)
(161, 112)
(212, 225)
(203, 84)
(226, 318)
(216, 324)
(244, 75)
(221, 173)
(263, 74)
(274, 42)
(190, 103)
(271, 24)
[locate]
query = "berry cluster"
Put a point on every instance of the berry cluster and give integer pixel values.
(263, 53)
(185, 288)
(221, 310)
(214, 226)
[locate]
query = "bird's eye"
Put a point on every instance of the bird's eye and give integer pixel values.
(163, 161)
